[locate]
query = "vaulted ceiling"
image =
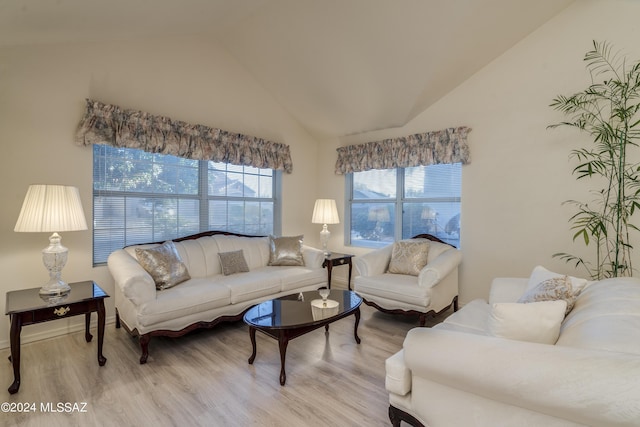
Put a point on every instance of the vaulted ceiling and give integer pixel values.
(338, 66)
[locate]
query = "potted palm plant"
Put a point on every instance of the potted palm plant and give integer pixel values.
(607, 110)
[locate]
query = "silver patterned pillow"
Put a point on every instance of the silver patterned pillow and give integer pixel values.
(556, 288)
(164, 264)
(408, 257)
(285, 250)
(233, 262)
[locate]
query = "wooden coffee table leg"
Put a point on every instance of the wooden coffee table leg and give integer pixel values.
(283, 341)
(252, 335)
(355, 330)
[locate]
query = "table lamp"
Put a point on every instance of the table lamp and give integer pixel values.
(52, 208)
(325, 212)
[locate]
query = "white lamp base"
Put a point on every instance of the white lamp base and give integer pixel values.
(54, 258)
(324, 239)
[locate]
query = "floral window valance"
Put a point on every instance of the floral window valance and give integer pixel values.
(421, 149)
(112, 125)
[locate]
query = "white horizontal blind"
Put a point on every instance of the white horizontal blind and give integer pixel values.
(391, 204)
(144, 197)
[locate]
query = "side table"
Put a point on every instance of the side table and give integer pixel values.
(27, 307)
(336, 259)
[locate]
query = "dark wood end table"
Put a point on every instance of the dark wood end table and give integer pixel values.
(336, 259)
(27, 307)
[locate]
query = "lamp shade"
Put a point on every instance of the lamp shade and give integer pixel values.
(325, 212)
(51, 208)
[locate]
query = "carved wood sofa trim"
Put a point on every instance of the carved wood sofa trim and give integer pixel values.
(422, 316)
(144, 339)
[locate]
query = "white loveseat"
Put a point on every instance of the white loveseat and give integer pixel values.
(208, 297)
(457, 374)
(434, 289)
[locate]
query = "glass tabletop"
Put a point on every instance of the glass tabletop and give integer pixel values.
(301, 309)
(30, 299)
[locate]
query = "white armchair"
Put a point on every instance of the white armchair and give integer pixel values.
(433, 291)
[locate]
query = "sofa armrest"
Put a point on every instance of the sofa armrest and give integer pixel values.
(507, 289)
(439, 268)
(588, 387)
(373, 263)
(130, 278)
(312, 257)
(398, 376)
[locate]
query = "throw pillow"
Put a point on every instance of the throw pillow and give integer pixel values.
(164, 264)
(537, 322)
(540, 274)
(556, 288)
(233, 262)
(285, 250)
(408, 257)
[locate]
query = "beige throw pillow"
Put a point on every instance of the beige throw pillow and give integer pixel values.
(164, 264)
(285, 250)
(540, 274)
(408, 257)
(556, 288)
(537, 322)
(233, 262)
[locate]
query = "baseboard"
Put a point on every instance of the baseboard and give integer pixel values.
(26, 337)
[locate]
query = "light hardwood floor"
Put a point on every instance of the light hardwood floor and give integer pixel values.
(204, 378)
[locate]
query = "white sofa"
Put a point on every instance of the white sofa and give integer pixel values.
(432, 291)
(209, 297)
(456, 374)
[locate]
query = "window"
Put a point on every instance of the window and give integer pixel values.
(391, 204)
(141, 197)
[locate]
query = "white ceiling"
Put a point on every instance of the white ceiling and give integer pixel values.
(338, 66)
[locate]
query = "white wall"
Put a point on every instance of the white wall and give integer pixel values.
(42, 93)
(512, 217)
(520, 173)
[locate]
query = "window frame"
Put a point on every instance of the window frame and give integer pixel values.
(202, 196)
(399, 201)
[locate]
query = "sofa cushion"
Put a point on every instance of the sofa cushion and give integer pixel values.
(472, 318)
(200, 255)
(195, 295)
(408, 257)
(533, 322)
(605, 317)
(246, 287)
(295, 277)
(396, 287)
(255, 249)
(285, 250)
(553, 289)
(233, 262)
(163, 264)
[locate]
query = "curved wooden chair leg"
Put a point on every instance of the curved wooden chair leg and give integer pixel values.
(422, 319)
(144, 345)
(393, 417)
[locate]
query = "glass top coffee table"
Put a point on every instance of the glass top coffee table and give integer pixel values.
(294, 315)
